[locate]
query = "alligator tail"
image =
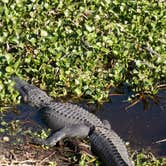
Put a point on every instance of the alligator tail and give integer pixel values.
(109, 147)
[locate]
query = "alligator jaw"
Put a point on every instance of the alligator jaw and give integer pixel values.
(19, 86)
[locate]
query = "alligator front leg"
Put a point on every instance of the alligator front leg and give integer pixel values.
(78, 130)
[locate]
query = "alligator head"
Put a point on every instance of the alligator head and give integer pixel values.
(31, 94)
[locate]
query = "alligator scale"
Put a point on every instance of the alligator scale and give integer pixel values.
(70, 120)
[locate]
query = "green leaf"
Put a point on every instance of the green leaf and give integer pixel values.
(9, 69)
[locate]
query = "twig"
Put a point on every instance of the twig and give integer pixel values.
(47, 157)
(28, 161)
(161, 86)
(116, 94)
(161, 141)
(132, 104)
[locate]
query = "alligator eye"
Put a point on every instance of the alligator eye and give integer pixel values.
(24, 89)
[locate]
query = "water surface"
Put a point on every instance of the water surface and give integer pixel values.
(142, 128)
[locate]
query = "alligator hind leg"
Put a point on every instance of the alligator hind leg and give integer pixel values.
(79, 130)
(107, 124)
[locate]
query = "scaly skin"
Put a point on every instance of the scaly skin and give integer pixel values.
(69, 120)
(109, 146)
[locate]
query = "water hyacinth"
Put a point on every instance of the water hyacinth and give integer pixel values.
(82, 49)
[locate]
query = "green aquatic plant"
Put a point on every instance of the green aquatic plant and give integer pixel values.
(82, 49)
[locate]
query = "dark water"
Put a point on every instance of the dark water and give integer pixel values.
(142, 128)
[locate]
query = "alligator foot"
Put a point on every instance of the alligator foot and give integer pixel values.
(78, 130)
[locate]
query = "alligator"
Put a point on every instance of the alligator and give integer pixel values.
(70, 120)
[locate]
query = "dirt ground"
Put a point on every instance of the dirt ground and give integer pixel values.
(67, 154)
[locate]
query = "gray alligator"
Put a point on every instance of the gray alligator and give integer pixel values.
(70, 120)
